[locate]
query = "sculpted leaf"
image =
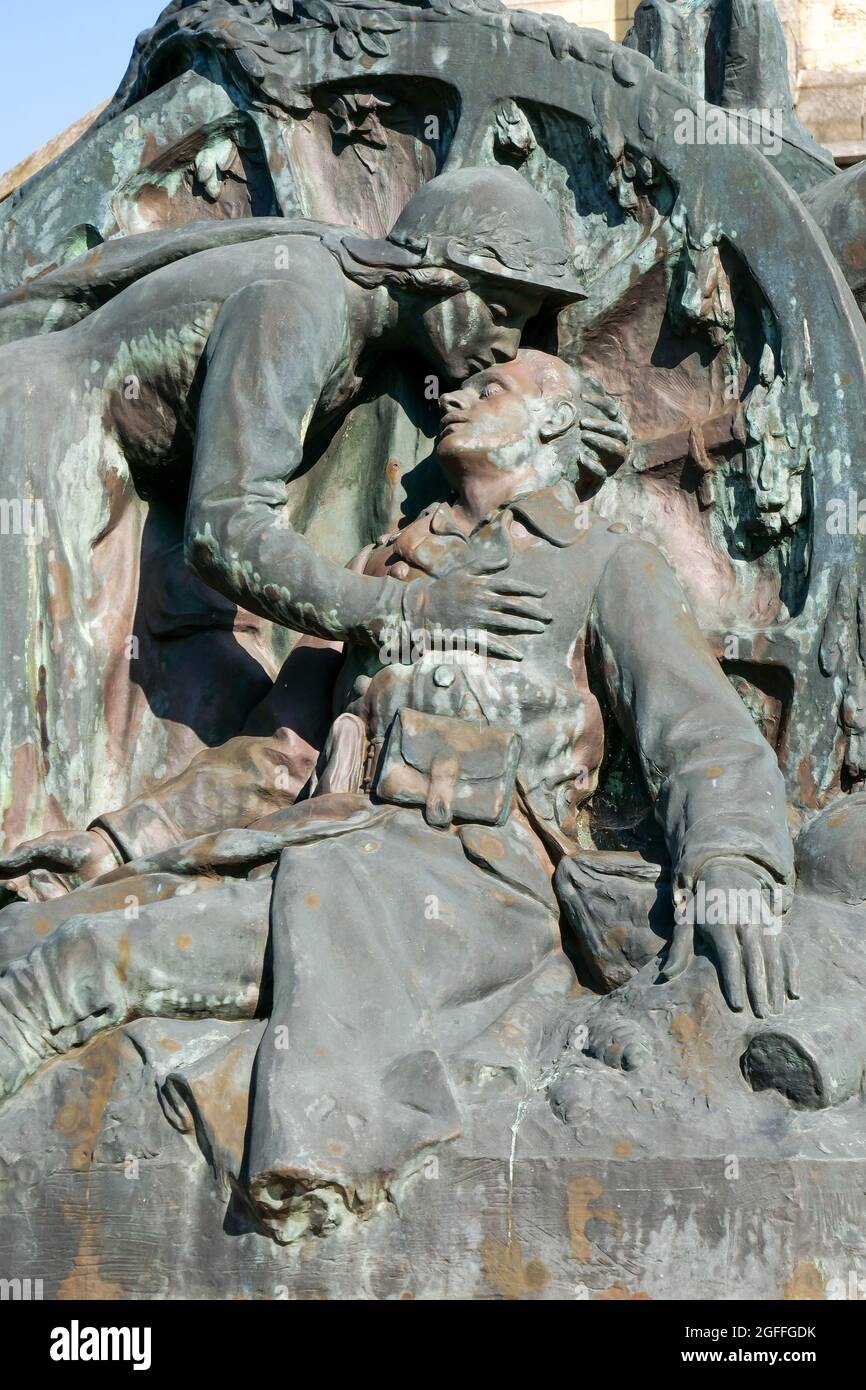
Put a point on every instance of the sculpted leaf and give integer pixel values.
(374, 44)
(346, 44)
(317, 9)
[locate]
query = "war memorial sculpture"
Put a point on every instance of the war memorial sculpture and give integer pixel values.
(433, 666)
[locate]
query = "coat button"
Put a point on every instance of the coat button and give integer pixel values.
(444, 676)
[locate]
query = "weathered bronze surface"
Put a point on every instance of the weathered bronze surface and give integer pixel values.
(434, 665)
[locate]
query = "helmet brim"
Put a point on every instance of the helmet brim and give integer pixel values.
(561, 289)
(380, 253)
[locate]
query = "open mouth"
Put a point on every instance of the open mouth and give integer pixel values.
(450, 422)
(452, 417)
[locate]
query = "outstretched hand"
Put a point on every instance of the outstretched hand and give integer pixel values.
(733, 915)
(52, 865)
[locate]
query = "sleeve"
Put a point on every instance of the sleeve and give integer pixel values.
(273, 349)
(261, 771)
(715, 781)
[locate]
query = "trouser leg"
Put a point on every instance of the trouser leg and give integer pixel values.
(390, 947)
(195, 955)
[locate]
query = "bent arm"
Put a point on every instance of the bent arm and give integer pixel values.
(272, 352)
(715, 780)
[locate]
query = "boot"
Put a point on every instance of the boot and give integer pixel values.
(58, 997)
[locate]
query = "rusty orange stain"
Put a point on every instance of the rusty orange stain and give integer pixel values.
(508, 1272)
(68, 1118)
(85, 1280)
(683, 1027)
(99, 1063)
(122, 966)
(581, 1191)
(806, 1283)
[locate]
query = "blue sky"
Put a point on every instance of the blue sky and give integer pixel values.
(58, 59)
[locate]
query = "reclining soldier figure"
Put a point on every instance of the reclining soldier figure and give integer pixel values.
(414, 899)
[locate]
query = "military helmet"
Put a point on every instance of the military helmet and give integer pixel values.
(490, 222)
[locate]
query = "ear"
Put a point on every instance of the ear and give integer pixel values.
(561, 415)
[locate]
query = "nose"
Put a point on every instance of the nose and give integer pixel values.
(506, 346)
(451, 400)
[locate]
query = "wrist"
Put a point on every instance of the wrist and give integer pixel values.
(104, 842)
(382, 624)
(687, 880)
(735, 886)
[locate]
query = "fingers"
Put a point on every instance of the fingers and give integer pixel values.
(597, 398)
(588, 460)
(608, 429)
(791, 967)
(38, 886)
(681, 951)
(492, 620)
(516, 587)
(775, 971)
(603, 446)
(730, 966)
(756, 974)
(488, 564)
(522, 607)
(497, 646)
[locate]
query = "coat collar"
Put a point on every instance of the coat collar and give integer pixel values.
(553, 512)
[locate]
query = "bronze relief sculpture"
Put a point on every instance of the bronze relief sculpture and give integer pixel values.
(481, 787)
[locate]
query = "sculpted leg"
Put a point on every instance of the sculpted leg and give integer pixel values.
(392, 950)
(193, 955)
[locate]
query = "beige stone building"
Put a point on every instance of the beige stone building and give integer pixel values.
(827, 44)
(826, 55)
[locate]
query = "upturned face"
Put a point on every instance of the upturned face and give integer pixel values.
(464, 333)
(494, 418)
